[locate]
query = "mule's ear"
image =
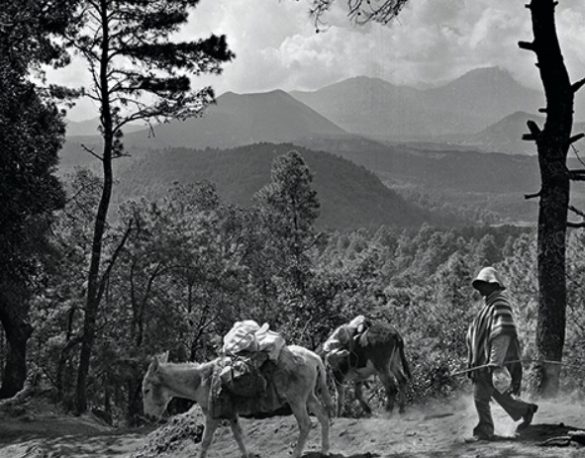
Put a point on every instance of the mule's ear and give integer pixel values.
(154, 364)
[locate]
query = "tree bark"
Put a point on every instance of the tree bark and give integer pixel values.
(17, 332)
(93, 286)
(134, 407)
(553, 143)
(550, 330)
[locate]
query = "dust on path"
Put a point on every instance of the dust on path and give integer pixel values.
(432, 431)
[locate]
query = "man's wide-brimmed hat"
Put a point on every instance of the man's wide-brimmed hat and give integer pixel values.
(488, 275)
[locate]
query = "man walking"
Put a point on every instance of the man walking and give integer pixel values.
(492, 341)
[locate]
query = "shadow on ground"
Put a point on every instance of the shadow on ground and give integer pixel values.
(112, 444)
(338, 455)
(543, 432)
(528, 444)
(75, 447)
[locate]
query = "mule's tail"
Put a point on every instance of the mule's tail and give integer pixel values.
(403, 358)
(323, 389)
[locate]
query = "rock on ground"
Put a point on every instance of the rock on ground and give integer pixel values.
(172, 438)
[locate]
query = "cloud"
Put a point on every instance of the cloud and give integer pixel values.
(432, 41)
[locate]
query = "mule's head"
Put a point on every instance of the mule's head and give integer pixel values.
(337, 358)
(155, 394)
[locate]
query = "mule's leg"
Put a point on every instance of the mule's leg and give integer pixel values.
(299, 409)
(390, 388)
(402, 382)
(238, 435)
(210, 427)
(320, 412)
(340, 389)
(360, 397)
(395, 370)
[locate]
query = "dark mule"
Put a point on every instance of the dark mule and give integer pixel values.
(379, 350)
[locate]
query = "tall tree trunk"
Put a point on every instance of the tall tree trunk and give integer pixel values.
(553, 143)
(134, 407)
(93, 287)
(17, 332)
(550, 330)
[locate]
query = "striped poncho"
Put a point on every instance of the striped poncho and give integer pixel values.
(493, 320)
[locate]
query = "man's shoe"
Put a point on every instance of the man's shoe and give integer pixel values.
(527, 418)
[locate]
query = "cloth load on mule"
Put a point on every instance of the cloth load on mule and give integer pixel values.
(248, 336)
(242, 380)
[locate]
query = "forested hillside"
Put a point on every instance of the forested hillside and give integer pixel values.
(351, 196)
(494, 184)
(451, 184)
(192, 264)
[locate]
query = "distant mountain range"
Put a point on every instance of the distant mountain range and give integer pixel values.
(238, 119)
(505, 136)
(89, 127)
(235, 120)
(483, 108)
(374, 107)
(366, 121)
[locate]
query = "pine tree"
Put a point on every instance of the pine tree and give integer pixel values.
(31, 133)
(290, 208)
(139, 74)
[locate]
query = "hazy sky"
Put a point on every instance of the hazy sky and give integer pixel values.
(432, 41)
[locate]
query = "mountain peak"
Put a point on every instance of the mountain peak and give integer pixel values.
(522, 115)
(240, 119)
(493, 70)
(362, 82)
(255, 94)
(491, 75)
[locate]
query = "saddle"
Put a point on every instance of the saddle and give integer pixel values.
(242, 380)
(242, 376)
(238, 387)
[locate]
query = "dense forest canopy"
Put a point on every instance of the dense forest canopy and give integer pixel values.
(32, 132)
(194, 264)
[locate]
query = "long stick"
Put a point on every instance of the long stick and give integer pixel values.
(543, 361)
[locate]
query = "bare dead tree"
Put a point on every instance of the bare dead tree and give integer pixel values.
(553, 142)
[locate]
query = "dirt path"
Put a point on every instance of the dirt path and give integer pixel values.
(432, 431)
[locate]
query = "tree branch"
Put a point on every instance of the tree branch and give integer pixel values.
(92, 152)
(578, 85)
(533, 196)
(113, 259)
(576, 225)
(577, 175)
(359, 11)
(576, 153)
(576, 138)
(535, 132)
(529, 46)
(577, 211)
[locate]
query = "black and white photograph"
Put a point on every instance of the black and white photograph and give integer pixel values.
(292, 228)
